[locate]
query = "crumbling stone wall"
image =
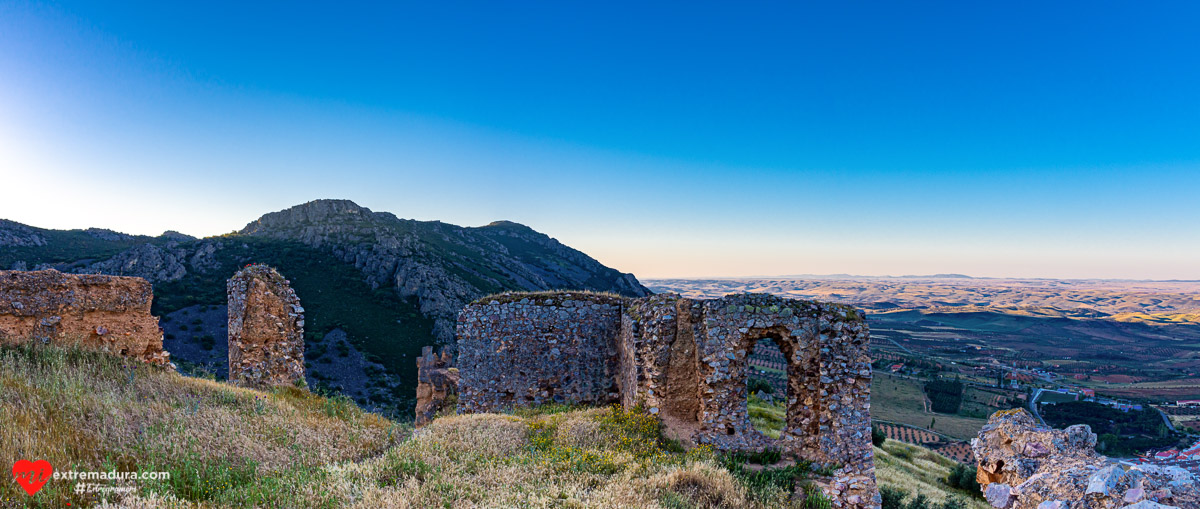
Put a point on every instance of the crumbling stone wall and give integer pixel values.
(437, 384)
(266, 329)
(686, 361)
(532, 349)
(106, 313)
(1024, 466)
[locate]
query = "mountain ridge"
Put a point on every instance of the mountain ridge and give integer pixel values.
(481, 256)
(474, 261)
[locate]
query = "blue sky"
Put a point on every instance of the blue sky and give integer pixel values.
(699, 139)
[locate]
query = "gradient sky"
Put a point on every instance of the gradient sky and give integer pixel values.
(1038, 139)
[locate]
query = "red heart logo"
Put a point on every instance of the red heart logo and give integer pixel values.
(32, 475)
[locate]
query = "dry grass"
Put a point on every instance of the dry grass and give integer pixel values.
(233, 447)
(583, 458)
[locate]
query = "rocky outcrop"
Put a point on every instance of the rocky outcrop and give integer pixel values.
(266, 329)
(176, 236)
(159, 263)
(686, 361)
(105, 313)
(437, 385)
(14, 234)
(444, 266)
(1023, 466)
(106, 234)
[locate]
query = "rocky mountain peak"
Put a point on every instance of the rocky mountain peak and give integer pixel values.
(16, 234)
(313, 212)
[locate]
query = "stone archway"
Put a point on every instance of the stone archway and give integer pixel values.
(685, 360)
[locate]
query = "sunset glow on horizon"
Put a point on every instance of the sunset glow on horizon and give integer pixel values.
(998, 140)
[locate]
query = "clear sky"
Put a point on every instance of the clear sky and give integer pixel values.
(1049, 139)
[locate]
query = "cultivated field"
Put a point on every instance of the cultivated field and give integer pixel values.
(900, 400)
(1134, 339)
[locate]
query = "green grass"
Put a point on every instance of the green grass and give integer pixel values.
(769, 419)
(229, 446)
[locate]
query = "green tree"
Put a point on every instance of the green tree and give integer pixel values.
(877, 436)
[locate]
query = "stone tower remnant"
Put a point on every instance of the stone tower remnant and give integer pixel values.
(684, 360)
(266, 329)
(437, 382)
(105, 313)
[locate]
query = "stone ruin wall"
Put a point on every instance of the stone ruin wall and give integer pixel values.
(105, 313)
(684, 360)
(437, 384)
(266, 329)
(534, 350)
(1024, 466)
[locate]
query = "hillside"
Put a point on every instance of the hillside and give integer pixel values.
(376, 288)
(231, 447)
(222, 445)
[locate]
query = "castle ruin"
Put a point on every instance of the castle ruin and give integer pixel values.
(105, 313)
(266, 329)
(684, 360)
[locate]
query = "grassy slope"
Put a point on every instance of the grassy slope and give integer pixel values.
(222, 445)
(915, 469)
(234, 447)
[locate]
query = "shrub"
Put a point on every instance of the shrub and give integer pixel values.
(918, 502)
(963, 477)
(207, 342)
(759, 385)
(877, 436)
(893, 498)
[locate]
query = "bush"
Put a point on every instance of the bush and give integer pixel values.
(918, 502)
(963, 477)
(893, 498)
(759, 385)
(207, 342)
(877, 436)
(953, 503)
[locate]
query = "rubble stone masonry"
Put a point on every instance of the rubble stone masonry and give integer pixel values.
(266, 329)
(686, 361)
(437, 384)
(558, 348)
(106, 313)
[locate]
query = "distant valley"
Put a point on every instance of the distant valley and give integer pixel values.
(1136, 339)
